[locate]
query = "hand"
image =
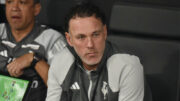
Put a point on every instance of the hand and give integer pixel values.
(16, 67)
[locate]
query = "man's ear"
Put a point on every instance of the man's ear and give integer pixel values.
(68, 38)
(37, 9)
(105, 31)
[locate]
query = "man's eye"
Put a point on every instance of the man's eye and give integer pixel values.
(23, 2)
(80, 37)
(8, 1)
(96, 34)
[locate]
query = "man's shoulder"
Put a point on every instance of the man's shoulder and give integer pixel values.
(2, 26)
(49, 31)
(2, 29)
(61, 64)
(48, 35)
(124, 58)
(62, 60)
(123, 61)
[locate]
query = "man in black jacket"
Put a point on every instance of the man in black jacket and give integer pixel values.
(94, 69)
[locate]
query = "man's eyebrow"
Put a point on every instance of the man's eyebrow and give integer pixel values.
(99, 30)
(23, 0)
(80, 34)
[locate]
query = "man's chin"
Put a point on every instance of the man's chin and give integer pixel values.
(17, 27)
(91, 63)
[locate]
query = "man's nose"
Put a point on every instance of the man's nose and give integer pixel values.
(15, 6)
(90, 43)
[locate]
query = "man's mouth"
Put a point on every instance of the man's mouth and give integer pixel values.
(92, 53)
(16, 17)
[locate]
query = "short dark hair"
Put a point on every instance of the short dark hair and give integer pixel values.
(84, 10)
(36, 1)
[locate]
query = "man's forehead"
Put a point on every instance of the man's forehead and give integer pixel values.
(85, 21)
(85, 32)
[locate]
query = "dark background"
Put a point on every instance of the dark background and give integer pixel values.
(53, 11)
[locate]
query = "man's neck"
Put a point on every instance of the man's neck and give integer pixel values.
(90, 67)
(21, 34)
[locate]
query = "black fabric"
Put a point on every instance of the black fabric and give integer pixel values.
(36, 31)
(99, 78)
(3, 59)
(147, 92)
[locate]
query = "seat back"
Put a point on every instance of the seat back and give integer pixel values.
(160, 60)
(151, 34)
(145, 20)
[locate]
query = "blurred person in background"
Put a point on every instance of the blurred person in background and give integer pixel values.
(26, 47)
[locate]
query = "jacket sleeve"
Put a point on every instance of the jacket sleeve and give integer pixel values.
(132, 82)
(55, 48)
(126, 76)
(54, 88)
(3, 32)
(53, 42)
(59, 68)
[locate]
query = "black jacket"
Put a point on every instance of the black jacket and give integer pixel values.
(118, 77)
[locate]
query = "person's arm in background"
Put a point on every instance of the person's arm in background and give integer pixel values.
(16, 67)
(42, 69)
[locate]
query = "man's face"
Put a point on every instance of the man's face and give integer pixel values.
(87, 36)
(21, 13)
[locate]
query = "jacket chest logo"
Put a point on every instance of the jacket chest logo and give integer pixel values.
(75, 86)
(4, 53)
(105, 89)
